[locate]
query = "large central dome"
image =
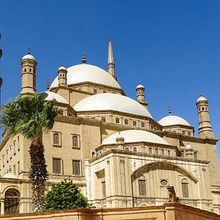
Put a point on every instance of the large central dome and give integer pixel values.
(88, 73)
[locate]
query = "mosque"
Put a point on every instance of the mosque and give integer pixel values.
(111, 146)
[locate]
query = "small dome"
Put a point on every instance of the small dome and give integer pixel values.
(83, 73)
(201, 98)
(119, 138)
(10, 176)
(109, 101)
(134, 136)
(61, 68)
(189, 147)
(28, 56)
(52, 95)
(140, 86)
(173, 120)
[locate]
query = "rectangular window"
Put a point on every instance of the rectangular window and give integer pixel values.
(76, 167)
(19, 167)
(57, 138)
(75, 141)
(10, 152)
(103, 189)
(7, 155)
(14, 147)
(18, 143)
(3, 160)
(14, 169)
(185, 190)
(142, 187)
(57, 165)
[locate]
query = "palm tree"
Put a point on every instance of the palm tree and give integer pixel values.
(31, 116)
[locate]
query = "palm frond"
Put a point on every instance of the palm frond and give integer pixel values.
(29, 115)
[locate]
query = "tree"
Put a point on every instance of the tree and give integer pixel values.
(31, 116)
(65, 195)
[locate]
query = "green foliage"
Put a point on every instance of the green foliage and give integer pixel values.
(29, 115)
(65, 195)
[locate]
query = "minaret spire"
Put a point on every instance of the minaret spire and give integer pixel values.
(83, 58)
(111, 63)
(169, 110)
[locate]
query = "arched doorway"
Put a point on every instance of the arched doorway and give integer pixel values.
(12, 199)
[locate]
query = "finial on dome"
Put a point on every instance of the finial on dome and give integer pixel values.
(84, 58)
(29, 50)
(48, 85)
(169, 110)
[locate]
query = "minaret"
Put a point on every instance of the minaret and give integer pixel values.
(62, 76)
(111, 63)
(28, 74)
(140, 95)
(205, 129)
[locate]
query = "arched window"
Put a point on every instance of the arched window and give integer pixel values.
(103, 119)
(185, 188)
(150, 150)
(142, 124)
(126, 121)
(134, 123)
(142, 186)
(117, 120)
(56, 138)
(156, 150)
(196, 155)
(75, 141)
(12, 199)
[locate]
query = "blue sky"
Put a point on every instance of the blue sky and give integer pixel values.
(171, 47)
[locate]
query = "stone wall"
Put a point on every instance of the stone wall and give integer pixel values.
(168, 211)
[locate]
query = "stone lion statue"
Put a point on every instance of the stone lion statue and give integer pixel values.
(172, 194)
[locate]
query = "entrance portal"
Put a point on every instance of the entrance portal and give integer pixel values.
(12, 199)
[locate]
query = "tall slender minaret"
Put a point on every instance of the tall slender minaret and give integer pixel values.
(28, 74)
(205, 128)
(111, 63)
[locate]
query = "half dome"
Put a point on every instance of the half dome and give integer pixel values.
(109, 101)
(88, 73)
(54, 96)
(173, 120)
(134, 136)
